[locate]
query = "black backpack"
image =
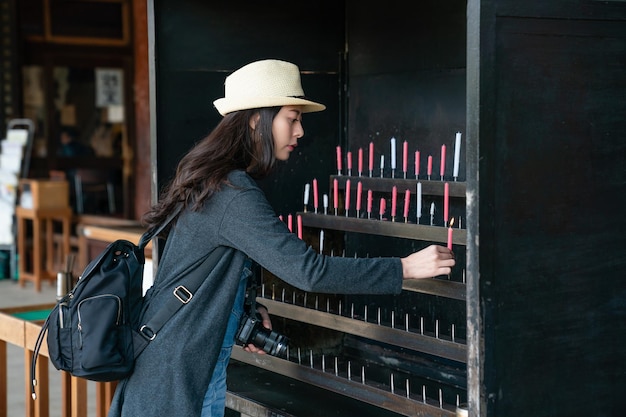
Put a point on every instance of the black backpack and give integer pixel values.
(94, 330)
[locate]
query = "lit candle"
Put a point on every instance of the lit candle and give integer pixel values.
(382, 207)
(347, 202)
(359, 192)
(371, 158)
(407, 199)
(405, 157)
(315, 199)
(290, 222)
(419, 202)
(307, 188)
(325, 203)
(382, 165)
(429, 171)
(338, 160)
(299, 218)
(394, 202)
(369, 203)
(457, 155)
(442, 168)
(450, 234)
(417, 164)
(335, 195)
(349, 162)
(446, 202)
(393, 156)
(360, 162)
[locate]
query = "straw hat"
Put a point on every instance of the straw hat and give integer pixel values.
(266, 83)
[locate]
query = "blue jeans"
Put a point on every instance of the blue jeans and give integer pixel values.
(215, 398)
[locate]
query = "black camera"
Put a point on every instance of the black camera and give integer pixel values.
(251, 331)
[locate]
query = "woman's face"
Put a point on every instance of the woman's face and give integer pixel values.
(287, 129)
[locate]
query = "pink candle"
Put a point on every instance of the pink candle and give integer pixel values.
(290, 222)
(383, 206)
(335, 194)
(339, 159)
(394, 201)
(315, 195)
(417, 164)
(347, 202)
(446, 201)
(442, 169)
(430, 166)
(359, 192)
(371, 157)
(349, 162)
(407, 199)
(405, 157)
(450, 235)
(369, 202)
(360, 162)
(300, 226)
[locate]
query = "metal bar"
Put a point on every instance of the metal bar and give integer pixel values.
(427, 344)
(353, 389)
(384, 228)
(385, 185)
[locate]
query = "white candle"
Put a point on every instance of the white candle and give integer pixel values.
(382, 162)
(325, 199)
(432, 209)
(307, 187)
(419, 200)
(321, 241)
(393, 153)
(457, 154)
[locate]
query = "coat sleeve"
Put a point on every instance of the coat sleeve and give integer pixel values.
(251, 225)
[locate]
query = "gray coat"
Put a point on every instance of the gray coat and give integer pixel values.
(172, 374)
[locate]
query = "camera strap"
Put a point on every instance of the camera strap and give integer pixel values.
(254, 281)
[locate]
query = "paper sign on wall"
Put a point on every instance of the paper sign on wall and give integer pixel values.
(109, 87)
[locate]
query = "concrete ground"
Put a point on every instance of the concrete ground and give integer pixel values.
(12, 295)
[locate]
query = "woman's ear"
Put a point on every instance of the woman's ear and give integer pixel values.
(254, 120)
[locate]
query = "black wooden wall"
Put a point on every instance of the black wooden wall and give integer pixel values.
(546, 106)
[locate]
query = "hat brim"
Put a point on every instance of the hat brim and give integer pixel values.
(227, 105)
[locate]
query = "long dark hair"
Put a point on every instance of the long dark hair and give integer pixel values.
(232, 145)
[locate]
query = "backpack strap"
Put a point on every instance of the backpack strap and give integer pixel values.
(155, 230)
(182, 294)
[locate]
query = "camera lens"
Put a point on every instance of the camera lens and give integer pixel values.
(271, 342)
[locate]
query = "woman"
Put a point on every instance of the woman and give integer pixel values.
(182, 372)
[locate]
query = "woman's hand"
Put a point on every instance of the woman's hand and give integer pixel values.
(267, 323)
(429, 262)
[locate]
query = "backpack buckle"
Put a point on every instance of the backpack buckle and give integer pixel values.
(147, 332)
(183, 294)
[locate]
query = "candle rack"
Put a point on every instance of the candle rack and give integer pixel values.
(360, 325)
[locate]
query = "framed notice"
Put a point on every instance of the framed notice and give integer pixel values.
(109, 87)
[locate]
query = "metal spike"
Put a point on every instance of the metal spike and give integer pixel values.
(311, 357)
(273, 291)
(393, 319)
(424, 394)
(316, 302)
(437, 328)
(421, 325)
(406, 322)
(453, 332)
(352, 311)
(378, 316)
(263, 290)
(283, 295)
(363, 374)
(299, 357)
(323, 363)
(408, 391)
(440, 398)
(349, 371)
(336, 367)
(365, 313)
(393, 388)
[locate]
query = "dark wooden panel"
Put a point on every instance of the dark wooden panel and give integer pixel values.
(557, 286)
